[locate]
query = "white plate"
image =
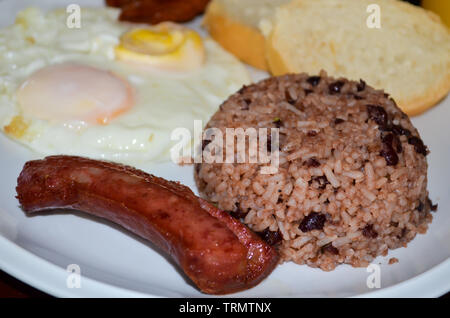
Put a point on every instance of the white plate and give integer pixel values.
(113, 263)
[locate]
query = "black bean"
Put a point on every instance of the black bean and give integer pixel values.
(291, 101)
(387, 139)
(369, 232)
(238, 213)
(338, 121)
(271, 238)
(311, 133)
(322, 181)
(394, 224)
(205, 143)
(419, 147)
(335, 87)
(403, 233)
(313, 80)
(312, 162)
(397, 144)
(269, 143)
(392, 141)
(433, 207)
(388, 151)
(247, 103)
(389, 155)
(420, 206)
(399, 130)
(313, 221)
(361, 85)
(243, 89)
(378, 115)
(330, 249)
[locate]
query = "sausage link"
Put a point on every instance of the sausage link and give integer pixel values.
(156, 11)
(218, 253)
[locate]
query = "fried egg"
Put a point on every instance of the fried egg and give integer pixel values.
(109, 90)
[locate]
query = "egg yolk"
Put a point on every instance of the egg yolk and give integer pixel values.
(74, 92)
(166, 46)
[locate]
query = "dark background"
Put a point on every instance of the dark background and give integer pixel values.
(13, 288)
(416, 2)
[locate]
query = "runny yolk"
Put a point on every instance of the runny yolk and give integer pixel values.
(166, 46)
(75, 92)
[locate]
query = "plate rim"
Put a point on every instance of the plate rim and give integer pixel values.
(427, 284)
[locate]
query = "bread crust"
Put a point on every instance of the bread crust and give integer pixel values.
(275, 62)
(249, 45)
(417, 105)
(245, 42)
(413, 104)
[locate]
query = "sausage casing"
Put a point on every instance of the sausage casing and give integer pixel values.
(156, 11)
(217, 252)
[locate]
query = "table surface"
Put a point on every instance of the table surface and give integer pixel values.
(13, 288)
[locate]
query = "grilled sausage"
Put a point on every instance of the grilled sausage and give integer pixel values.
(217, 252)
(156, 11)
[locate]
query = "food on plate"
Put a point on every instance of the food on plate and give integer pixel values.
(235, 24)
(217, 252)
(408, 55)
(109, 90)
(352, 175)
(167, 46)
(96, 96)
(156, 11)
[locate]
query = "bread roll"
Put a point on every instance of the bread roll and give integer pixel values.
(408, 56)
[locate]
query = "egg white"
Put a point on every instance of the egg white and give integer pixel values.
(163, 101)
